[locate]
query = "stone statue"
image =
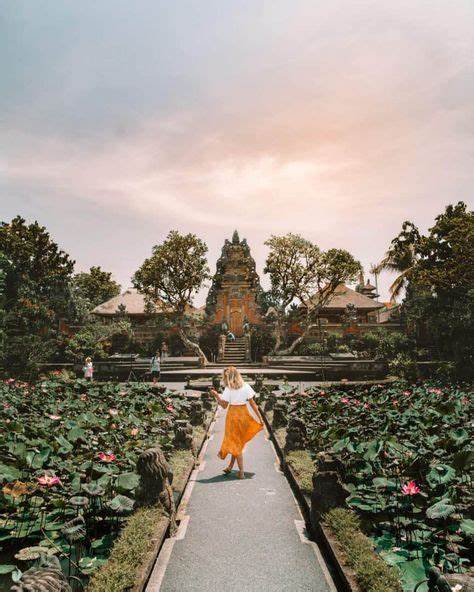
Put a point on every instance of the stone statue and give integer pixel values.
(279, 415)
(328, 489)
(183, 439)
(296, 437)
(196, 413)
(155, 480)
(48, 578)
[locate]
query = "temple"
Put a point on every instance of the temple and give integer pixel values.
(232, 301)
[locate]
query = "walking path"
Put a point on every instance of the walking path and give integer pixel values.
(239, 535)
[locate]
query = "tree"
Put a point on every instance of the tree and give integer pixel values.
(401, 258)
(96, 285)
(175, 272)
(35, 294)
(303, 275)
(438, 277)
(87, 290)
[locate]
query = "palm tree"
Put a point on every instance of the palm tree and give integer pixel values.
(401, 258)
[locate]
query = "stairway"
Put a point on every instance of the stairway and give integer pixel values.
(234, 352)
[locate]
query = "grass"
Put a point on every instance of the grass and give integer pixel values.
(372, 573)
(180, 461)
(302, 466)
(130, 552)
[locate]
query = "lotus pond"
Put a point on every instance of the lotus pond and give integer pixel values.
(406, 453)
(68, 452)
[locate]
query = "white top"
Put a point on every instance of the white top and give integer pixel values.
(238, 396)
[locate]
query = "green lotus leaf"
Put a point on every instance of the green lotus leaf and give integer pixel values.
(79, 501)
(467, 526)
(9, 473)
(127, 481)
(440, 475)
(6, 569)
(121, 504)
(93, 489)
(441, 509)
(74, 530)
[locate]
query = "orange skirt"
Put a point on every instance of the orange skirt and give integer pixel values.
(240, 427)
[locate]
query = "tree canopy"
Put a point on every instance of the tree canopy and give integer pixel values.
(302, 274)
(175, 272)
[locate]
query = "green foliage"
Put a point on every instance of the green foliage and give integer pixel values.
(209, 341)
(303, 276)
(87, 290)
(406, 455)
(175, 272)
(62, 429)
(35, 277)
(437, 270)
(95, 340)
(372, 573)
(262, 341)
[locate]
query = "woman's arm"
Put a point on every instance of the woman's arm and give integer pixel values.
(255, 409)
(219, 400)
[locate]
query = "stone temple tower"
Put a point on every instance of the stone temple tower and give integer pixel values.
(233, 296)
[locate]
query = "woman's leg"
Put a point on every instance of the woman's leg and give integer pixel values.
(240, 462)
(229, 467)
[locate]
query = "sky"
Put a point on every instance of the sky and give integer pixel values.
(336, 120)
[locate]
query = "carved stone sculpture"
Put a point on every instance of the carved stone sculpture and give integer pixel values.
(328, 492)
(279, 415)
(155, 480)
(183, 439)
(327, 462)
(207, 400)
(296, 437)
(42, 579)
(196, 413)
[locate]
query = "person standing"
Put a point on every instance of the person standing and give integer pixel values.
(155, 367)
(88, 369)
(240, 426)
(164, 350)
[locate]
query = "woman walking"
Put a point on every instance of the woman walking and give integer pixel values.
(240, 426)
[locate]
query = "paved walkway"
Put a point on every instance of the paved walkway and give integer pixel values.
(239, 535)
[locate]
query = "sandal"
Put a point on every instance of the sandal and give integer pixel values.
(241, 475)
(227, 470)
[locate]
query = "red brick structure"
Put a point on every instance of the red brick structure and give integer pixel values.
(233, 296)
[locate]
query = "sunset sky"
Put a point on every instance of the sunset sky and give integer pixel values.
(338, 120)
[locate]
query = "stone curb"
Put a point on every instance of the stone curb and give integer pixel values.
(344, 576)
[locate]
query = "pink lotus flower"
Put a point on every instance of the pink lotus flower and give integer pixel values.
(366, 406)
(407, 393)
(410, 488)
(170, 408)
(6, 405)
(395, 403)
(106, 457)
(49, 480)
(83, 397)
(54, 417)
(113, 412)
(345, 400)
(134, 432)
(10, 380)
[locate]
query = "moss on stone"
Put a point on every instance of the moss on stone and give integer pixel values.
(302, 466)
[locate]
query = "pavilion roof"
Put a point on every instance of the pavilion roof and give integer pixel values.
(344, 296)
(133, 301)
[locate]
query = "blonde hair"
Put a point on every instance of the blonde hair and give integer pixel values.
(232, 378)
(88, 359)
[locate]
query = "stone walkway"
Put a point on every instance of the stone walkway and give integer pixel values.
(239, 535)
